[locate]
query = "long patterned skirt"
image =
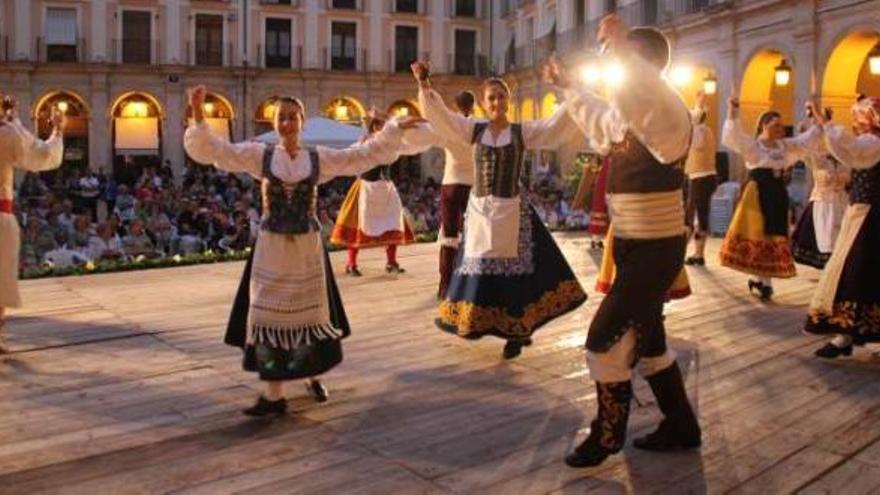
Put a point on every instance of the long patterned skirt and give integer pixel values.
(816, 232)
(847, 300)
(511, 298)
(280, 355)
(757, 242)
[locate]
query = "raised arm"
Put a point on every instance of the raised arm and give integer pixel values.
(35, 154)
(800, 147)
(738, 141)
(550, 132)
(852, 151)
(206, 148)
(595, 118)
(446, 123)
(382, 148)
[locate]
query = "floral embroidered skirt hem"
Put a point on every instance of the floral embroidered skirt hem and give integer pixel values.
(511, 299)
(847, 300)
(748, 248)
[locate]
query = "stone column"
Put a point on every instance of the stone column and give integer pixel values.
(173, 32)
(312, 46)
(98, 38)
(100, 124)
(23, 43)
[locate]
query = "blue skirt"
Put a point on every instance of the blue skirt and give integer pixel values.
(511, 298)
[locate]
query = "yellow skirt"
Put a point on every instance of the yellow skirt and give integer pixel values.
(747, 249)
(347, 230)
(680, 289)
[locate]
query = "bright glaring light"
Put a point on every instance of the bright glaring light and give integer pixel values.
(403, 112)
(63, 106)
(135, 109)
(681, 76)
(710, 86)
(209, 108)
(341, 112)
(591, 74)
(614, 75)
(874, 62)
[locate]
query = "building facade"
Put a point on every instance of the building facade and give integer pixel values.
(120, 68)
(772, 54)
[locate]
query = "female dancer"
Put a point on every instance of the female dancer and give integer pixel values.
(19, 149)
(290, 320)
(372, 214)
(510, 277)
(847, 300)
(757, 240)
(816, 231)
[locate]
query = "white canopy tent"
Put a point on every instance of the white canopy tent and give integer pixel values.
(320, 131)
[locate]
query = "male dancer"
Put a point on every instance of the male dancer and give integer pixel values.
(647, 135)
(19, 149)
(701, 181)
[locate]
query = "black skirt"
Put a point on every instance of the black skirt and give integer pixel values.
(804, 247)
(699, 201)
(310, 361)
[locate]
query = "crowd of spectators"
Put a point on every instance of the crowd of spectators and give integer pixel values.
(72, 216)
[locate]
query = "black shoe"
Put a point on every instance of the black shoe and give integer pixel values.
(695, 261)
(317, 390)
(831, 351)
(608, 430)
(265, 407)
(754, 284)
(353, 271)
(766, 293)
(512, 349)
(679, 429)
(394, 268)
(600, 244)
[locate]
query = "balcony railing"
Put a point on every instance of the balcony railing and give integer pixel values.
(61, 53)
(397, 62)
(216, 55)
(410, 7)
(275, 61)
(678, 8)
(292, 3)
(344, 5)
(468, 64)
(353, 63)
(135, 51)
(471, 10)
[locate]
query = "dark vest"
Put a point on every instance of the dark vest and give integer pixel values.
(773, 199)
(382, 172)
(499, 171)
(865, 185)
(289, 208)
(635, 170)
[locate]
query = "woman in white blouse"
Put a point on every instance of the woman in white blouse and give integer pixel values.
(509, 278)
(757, 242)
(19, 148)
(847, 301)
(288, 317)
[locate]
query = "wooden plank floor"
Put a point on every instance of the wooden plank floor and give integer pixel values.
(120, 384)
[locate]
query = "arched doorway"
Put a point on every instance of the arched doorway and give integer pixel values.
(264, 117)
(404, 108)
(137, 135)
(549, 104)
(346, 110)
(763, 89)
(76, 134)
(848, 74)
(218, 114)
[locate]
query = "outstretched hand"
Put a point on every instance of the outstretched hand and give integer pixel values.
(732, 105)
(421, 71)
(813, 109)
(197, 96)
(58, 119)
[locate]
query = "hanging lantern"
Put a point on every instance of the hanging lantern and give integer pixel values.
(710, 84)
(209, 109)
(874, 61)
(783, 74)
(63, 106)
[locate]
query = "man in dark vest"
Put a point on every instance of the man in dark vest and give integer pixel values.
(645, 128)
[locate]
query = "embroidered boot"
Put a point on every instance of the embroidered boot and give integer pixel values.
(679, 429)
(608, 429)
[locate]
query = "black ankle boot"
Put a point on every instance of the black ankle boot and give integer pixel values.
(679, 429)
(831, 351)
(266, 407)
(513, 347)
(608, 430)
(317, 390)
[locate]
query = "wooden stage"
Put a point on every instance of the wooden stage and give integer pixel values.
(120, 384)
